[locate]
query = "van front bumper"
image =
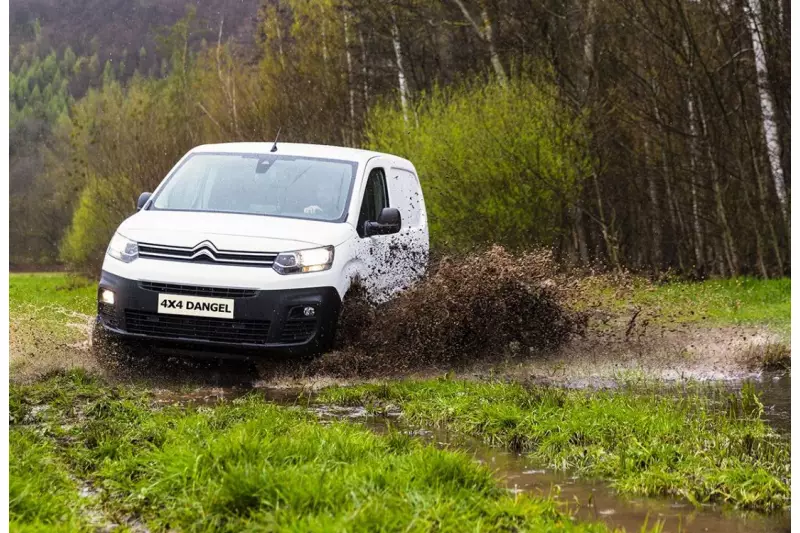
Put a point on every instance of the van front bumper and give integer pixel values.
(262, 319)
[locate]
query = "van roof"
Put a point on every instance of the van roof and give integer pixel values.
(308, 150)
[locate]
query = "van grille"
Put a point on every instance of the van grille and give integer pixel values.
(298, 329)
(201, 328)
(193, 290)
(205, 252)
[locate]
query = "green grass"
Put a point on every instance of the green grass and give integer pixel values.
(41, 494)
(239, 466)
(64, 290)
(46, 301)
(49, 315)
(728, 301)
(642, 438)
(736, 301)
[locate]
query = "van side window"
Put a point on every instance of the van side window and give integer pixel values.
(406, 196)
(375, 199)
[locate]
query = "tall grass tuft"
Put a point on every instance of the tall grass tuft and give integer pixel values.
(692, 443)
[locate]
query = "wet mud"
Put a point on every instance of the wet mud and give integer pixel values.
(588, 499)
(465, 309)
(490, 313)
(596, 500)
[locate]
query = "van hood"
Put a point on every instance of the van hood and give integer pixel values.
(230, 231)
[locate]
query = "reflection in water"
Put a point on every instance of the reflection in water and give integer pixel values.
(591, 500)
(775, 389)
(598, 501)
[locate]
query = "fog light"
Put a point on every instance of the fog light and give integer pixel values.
(308, 311)
(107, 296)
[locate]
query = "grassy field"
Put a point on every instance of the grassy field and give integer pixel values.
(45, 301)
(47, 314)
(85, 455)
(721, 302)
(643, 438)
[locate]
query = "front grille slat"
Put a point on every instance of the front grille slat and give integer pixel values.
(201, 328)
(206, 253)
(193, 290)
(298, 329)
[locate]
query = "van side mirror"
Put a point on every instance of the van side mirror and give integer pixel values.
(142, 201)
(388, 222)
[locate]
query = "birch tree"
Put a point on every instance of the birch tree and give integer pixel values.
(485, 32)
(769, 125)
(401, 73)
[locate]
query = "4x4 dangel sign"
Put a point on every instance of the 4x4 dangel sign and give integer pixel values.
(174, 304)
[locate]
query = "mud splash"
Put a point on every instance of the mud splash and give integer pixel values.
(43, 339)
(463, 310)
(490, 313)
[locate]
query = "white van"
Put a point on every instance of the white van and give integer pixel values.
(254, 246)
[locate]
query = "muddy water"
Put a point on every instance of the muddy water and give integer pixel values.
(775, 389)
(598, 501)
(591, 500)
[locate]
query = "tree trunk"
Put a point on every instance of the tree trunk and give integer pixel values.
(401, 73)
(655, 212)
(350, 89)
(769, 125)
(586, 78)
(364, 73)
(675, 217)
(699, 256)
(727, 236)
(486, 34)
(611, 242)
(588, 50)
(580, 232)
(489, 36)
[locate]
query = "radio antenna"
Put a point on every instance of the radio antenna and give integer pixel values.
(275, 144)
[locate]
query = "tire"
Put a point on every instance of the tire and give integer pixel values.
(326, 341)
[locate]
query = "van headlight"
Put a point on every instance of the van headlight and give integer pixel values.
(311, 260)
(122, 248)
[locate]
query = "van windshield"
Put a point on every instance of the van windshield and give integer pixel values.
(277, 185)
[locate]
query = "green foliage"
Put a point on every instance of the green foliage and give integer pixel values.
(497, 164)
(37, 89)
(103, 204)
(648, 440)
(250, 465)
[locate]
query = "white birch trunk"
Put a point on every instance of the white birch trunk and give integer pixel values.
(655, 214)
(770, 126)
(727, 236)
(486, 34)
(401, 73)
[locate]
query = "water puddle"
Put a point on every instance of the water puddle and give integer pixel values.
(776, 392)
(596, 500)
(591, 500)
